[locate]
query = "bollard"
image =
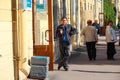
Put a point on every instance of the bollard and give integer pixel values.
(39, 67)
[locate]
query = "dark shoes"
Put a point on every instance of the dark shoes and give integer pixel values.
(65, 68)
(90, 59)
(59, 67)
(94, 59)
(110, 59)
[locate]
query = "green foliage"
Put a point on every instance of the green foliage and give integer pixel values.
(109, 11)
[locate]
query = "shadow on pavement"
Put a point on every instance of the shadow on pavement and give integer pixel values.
(79, 56)
(97, 71)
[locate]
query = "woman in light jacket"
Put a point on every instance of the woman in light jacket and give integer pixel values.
(111, 38)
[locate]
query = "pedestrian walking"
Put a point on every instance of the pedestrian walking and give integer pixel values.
(64, 32)
(97, 26)
(91, 38)
(111, 38)
(118, 25)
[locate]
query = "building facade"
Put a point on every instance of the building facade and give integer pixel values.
(26, 30)
(16, 40)
(24, 35)
(6, 50)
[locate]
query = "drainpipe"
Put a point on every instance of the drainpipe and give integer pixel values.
(33, 20)
(14, 5)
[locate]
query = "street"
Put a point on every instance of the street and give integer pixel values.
(80, 68)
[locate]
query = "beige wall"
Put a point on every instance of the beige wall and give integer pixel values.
(25, 39)
(87, 11)
(6, 49)
(90, 10)
(6, 41)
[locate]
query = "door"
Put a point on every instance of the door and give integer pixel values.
(42, 30)
(101, 22)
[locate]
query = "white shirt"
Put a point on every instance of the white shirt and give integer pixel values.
(110, 34)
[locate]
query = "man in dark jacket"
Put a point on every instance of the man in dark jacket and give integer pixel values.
(64, 32)
(97, 26)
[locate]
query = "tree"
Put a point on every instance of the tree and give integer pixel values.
(109, 11)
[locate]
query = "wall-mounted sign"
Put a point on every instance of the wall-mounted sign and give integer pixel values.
(41, 5)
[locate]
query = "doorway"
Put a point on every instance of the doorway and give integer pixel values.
(42, 30)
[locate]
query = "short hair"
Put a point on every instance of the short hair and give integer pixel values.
(63, 18)
(89, 22)
(110, 21)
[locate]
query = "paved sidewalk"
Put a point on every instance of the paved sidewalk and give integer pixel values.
(83, 69)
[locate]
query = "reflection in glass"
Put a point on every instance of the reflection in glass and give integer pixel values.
(41, 22)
